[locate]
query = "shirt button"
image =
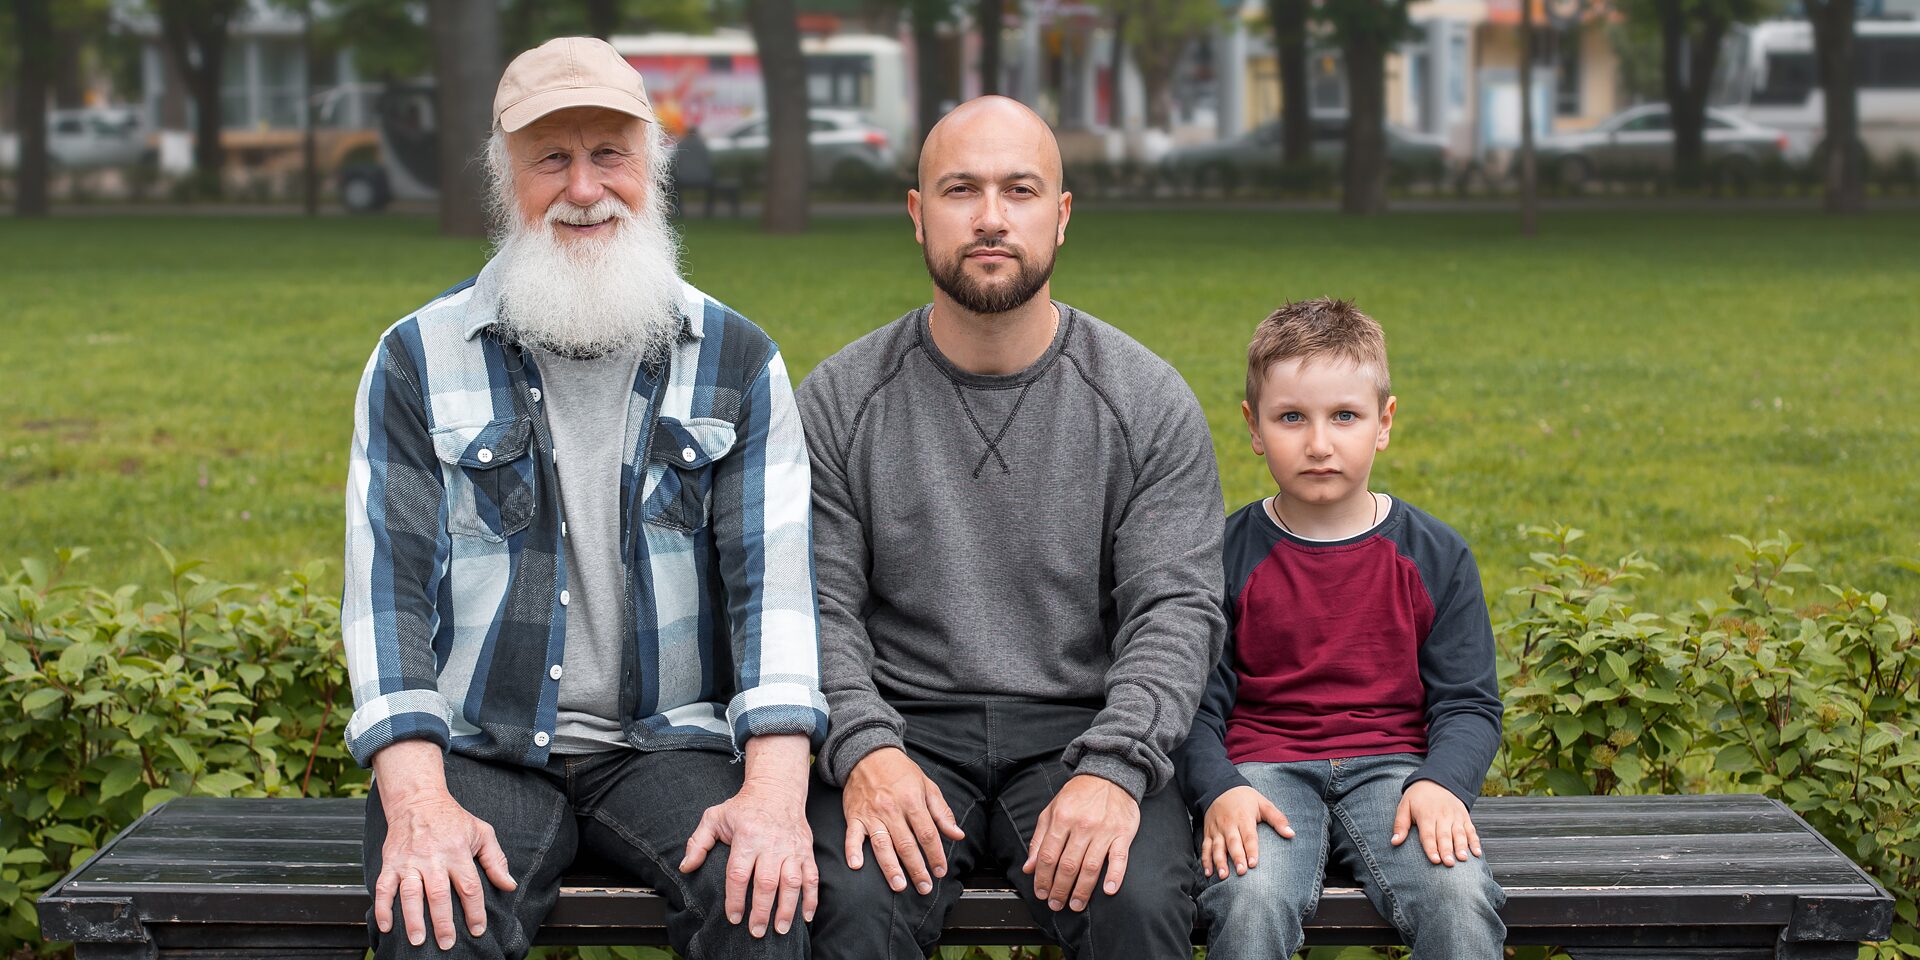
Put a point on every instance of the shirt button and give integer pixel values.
(555, 672)
(688, 455)
(540, 739)
(485, 455)
(564, 597)
(534, 392)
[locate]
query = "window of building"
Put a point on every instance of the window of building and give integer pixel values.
(1889, 63)
(1790, 79)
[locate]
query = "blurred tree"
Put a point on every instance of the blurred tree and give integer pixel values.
(466, 71)
(388, 38)
(926, 17)
(194, 35)
(1842, 156)
(783, 75)
(1529, 179)
(1692, 33)
(1156, 33)
(1289, 20)
(990, 16)
(1366, 30)
(31, 21)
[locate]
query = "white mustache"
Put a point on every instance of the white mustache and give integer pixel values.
(605, 208)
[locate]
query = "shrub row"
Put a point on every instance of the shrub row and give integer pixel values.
(113, 701)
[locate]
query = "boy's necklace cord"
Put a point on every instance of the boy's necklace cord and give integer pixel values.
(1275, 506)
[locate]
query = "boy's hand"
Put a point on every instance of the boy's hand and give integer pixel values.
(1445, 829)
(1231, 831)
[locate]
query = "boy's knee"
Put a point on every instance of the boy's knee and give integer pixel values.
(1463, 890)
(1261, 891)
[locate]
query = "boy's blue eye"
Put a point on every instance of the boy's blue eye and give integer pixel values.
(1291, 417)
(1346, 416)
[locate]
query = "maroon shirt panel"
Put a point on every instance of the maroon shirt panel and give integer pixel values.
(1326, 647)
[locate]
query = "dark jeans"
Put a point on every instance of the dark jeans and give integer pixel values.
(998, 765)
(634, 809)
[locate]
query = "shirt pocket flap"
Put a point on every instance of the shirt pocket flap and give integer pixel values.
(484, 446)
(691, 444)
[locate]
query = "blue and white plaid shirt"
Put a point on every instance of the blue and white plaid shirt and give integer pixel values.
(455, 611)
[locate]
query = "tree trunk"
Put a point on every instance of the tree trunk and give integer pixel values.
(195, 35)
(1529, 170)
(603, 17)
(783, 72)
(466, 69)
(1116, 74)
(1296, 95)
(69, 86)
(1687, 60)
(309, 148)
(925, 15)
(1155, 77)
(1364, 180)
(991, 15)
(30, 22)
(1837, 53)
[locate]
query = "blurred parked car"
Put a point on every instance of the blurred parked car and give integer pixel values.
(1254, 156)
(91, 138)
(1640, 139)
(844, 150)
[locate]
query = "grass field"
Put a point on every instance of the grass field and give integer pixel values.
(1661, 380)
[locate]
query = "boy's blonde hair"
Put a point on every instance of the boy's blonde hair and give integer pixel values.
(1318, 329)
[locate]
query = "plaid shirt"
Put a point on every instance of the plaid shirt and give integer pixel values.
(455, 611)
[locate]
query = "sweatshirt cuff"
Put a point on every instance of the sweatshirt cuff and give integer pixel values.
(1213, 792)
(850, 748)
(1425, 773)
(1116, 771)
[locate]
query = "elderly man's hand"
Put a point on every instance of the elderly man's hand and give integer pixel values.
(890, 801)
(771, 845)
(431, 846)
(1089, 823)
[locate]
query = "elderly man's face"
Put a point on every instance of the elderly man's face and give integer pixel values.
(582, 156)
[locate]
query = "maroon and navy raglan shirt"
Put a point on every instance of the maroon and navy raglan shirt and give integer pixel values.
(1371, 645)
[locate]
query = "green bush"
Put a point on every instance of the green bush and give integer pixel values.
(113, 701)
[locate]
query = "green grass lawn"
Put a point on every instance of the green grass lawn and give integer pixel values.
(1660, 380)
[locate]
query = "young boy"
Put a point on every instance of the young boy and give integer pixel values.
(1356, 699)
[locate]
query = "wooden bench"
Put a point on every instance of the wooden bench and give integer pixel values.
(1608, 878)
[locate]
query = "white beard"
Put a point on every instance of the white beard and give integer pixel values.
(592, 295)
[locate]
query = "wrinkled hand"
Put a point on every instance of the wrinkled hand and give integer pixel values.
(1446, 831)
(432, 843)
(891, 802)
(1231, 831)
(771, 850)
(1089, 823)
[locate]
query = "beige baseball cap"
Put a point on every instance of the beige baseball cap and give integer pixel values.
(568, 72)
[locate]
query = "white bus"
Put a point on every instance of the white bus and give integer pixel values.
(1769, 76)
(713, 81)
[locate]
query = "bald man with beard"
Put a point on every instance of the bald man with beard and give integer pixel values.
(579, 607)
(1017, 523)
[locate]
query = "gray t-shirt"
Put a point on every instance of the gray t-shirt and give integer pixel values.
(586, 406)
(1051, 535)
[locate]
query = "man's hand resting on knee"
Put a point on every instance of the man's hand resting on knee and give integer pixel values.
(770, 845)
(431, 848)
(1090, 823)
(891, 802)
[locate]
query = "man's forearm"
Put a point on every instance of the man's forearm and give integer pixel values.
(778, 762)
(411, 771)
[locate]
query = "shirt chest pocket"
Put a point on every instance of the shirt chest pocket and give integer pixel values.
(491, 477)
(680, 468)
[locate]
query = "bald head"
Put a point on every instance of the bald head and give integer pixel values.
(989, 137)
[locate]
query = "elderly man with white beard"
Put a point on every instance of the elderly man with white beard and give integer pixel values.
(579, 577)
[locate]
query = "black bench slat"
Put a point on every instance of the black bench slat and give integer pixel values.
(1608, 871)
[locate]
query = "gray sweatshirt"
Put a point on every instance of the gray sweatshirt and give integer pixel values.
(1050, 535)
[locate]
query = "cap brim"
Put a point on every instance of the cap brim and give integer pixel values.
(540, 104)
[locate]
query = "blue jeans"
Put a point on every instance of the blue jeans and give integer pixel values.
(1343, 810)
(634, 809)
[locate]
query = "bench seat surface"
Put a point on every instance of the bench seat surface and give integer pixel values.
(1670, 869)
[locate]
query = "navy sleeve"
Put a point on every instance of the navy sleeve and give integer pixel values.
(1457, 668)
(1201, 763)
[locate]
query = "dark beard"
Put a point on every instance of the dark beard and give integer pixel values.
(972, 296)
